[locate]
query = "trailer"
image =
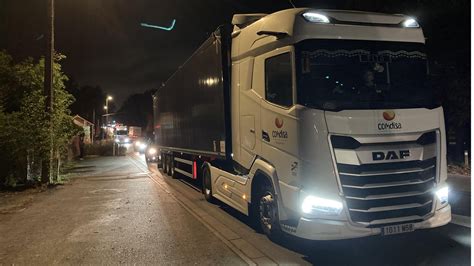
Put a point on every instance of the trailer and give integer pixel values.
(317, 123)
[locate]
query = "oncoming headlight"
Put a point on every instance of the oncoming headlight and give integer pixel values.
(443, 195)
(142, 146)
(138, 143)
(126, 140)
(152, 151)
(312, 205)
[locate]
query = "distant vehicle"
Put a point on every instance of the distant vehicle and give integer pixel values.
(121, 135)
(142, 144)
(134, 133)
(152, 155)
(320, 123)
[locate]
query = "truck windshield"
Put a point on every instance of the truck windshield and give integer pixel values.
(121, 132)
(344, 74)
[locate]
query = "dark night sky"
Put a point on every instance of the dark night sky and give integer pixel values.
(106, 46)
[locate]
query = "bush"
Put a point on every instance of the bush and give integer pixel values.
(102, 149)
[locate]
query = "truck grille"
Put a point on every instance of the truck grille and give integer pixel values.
(377, 194)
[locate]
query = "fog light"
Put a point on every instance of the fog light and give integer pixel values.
(443, 194)
(312, 204)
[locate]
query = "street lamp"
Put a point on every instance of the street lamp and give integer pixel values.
(106, 108)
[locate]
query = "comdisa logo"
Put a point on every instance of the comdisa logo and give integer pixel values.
(389, 115)
(279, 134)
(278, 122)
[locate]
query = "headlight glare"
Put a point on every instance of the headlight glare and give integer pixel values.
(152, 151)
(312, 204)
(443, 194)
(411, 23)
(315, 17)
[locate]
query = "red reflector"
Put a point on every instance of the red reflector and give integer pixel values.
(194, 170)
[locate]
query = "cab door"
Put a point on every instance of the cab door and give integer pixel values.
(279, 134)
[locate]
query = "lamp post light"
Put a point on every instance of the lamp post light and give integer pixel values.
(106, 108)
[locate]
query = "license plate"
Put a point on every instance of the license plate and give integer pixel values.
(397, 229)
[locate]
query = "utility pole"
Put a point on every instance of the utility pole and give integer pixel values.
(48, 87)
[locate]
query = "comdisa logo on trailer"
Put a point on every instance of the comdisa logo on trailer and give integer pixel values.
(280, 134)
(389, 116)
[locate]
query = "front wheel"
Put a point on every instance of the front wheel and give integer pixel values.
(266, 210)
(207, 184)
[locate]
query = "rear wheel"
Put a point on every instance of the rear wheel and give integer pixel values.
(159, 163)
(172, 165)
(207, 184)
(165, 164)
(266, 212)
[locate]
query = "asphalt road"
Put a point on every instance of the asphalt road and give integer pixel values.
(119, 210)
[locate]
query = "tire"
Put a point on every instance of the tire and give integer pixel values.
(207, 185)
(159, 163)
(170, 161)
(165, 164)
(266, 212)
(173, 173)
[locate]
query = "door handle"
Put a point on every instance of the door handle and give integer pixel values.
(252, 130)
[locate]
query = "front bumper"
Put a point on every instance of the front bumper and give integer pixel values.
(319, 229)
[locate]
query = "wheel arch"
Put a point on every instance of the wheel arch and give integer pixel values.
(263, 170)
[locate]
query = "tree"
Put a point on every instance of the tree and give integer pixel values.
(24, 129)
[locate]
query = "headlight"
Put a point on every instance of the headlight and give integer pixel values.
(142, 146)
(138, 143)
(410, 23)
(117, 140)
(312, 204)
(126, 140)
(315, 17)
(152, 151)
(443, 194)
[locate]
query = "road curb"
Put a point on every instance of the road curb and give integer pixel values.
(245, 250)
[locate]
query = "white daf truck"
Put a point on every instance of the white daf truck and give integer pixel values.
(319, 123)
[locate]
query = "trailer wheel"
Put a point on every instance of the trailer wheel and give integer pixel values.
(172, 171)
(207, 184)
(266, 212)
(165, 164)
(170, 165)
(159, 163)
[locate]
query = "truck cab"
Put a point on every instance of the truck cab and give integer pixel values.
(334, 110)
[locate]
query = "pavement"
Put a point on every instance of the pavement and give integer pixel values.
(119, 210)
(112, 214)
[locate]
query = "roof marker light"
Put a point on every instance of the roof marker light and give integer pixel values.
(411, 23)
(315, 17)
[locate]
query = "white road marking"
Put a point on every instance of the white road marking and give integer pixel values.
(461, 220)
